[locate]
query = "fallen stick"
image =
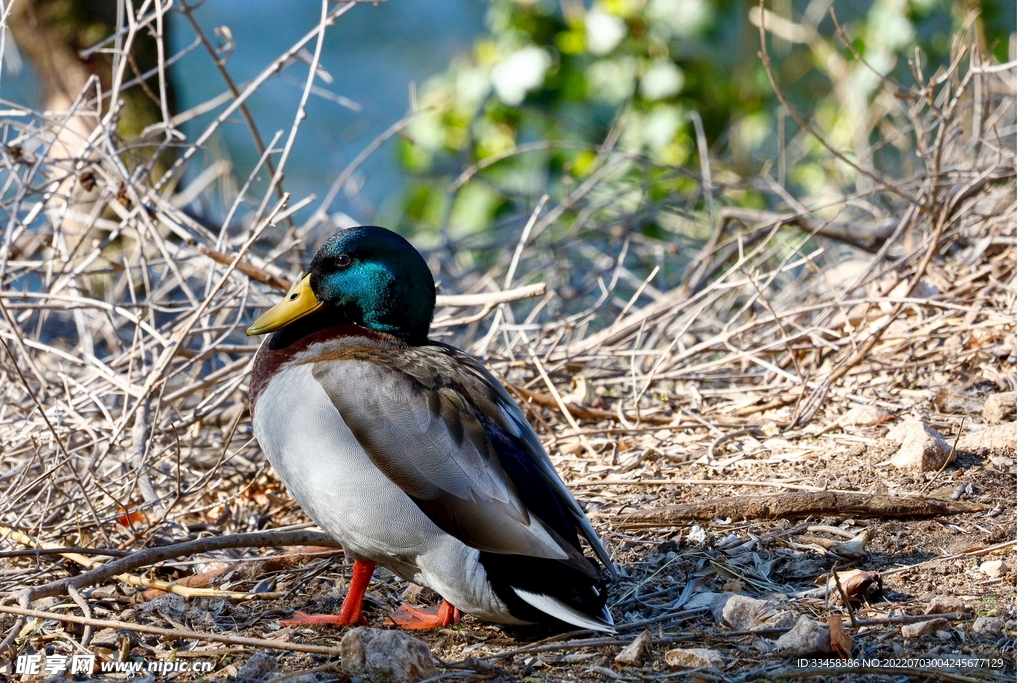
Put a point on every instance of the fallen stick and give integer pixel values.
(935, 560)
(913, 618)
(251, 569)
(795, 505)
(504, 296)
(695, 482)
(251, 271)
(149, 556)
(173, 632)
(131, 579)
(655, 416)
(455, 300)
(700, 635)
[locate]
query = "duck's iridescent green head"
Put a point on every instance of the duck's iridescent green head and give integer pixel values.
(369, 276)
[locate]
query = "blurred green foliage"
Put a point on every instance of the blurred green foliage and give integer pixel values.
(557, 86)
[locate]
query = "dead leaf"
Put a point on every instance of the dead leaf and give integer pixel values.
(842, 643)
(860, 583)
(855, 582)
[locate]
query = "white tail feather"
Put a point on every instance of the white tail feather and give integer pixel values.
(563, 612)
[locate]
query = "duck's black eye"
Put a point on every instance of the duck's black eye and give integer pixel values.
(343, 261)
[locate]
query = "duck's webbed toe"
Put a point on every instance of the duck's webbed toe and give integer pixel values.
(414, 618)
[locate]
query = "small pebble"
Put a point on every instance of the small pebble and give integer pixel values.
(944, 604)
(864, 415)
(998, 406)
(633, 654)
(806, 638)
(993, 568)
(923, 628)
(922, 449)
(987, 626)
(257, 666)
(694, 657)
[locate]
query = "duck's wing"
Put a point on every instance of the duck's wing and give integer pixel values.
(454, 441)
(523, 445)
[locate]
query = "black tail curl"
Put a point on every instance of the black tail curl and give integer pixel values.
(546, 577)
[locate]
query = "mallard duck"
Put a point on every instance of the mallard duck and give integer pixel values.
(410, 453)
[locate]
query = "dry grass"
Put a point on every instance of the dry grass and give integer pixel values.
(124, 371)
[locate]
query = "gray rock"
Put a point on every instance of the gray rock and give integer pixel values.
(386, 655)
(44, 604)
(922, 449)
(808, 637)
(944, 604)
(695, 657)
(634, 653)
(998, 406)
(987, 626)
(1000, 437)
(924, 628)
(749, 614)
(257, 666)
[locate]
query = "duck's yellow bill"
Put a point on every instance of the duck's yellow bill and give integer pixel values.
(297, 303)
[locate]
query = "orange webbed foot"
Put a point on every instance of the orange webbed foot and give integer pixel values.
(409, 617)
(303, 619)
(351, 610)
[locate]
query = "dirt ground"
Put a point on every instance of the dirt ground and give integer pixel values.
(703, 594)
(917, 560)
(699, 487)
(674, 578)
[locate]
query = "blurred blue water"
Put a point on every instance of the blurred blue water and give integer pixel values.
(372, 52)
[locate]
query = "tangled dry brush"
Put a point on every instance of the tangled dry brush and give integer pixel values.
(124, 368)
